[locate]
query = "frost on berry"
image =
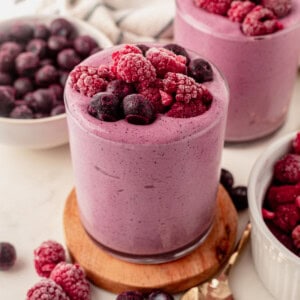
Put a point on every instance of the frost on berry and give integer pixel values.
(126, 49)
(187, 110)
(281, 8)
(87, 81)
(165, 61)
(287, 169)
(71, 277)
(239, 9)
(286, 217)
(214, 6)
(260, 21)
(47, 256)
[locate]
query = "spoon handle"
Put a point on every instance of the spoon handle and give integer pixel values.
(237, 250)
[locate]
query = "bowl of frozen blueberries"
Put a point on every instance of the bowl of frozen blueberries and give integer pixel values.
(274, 205)
(36, 55)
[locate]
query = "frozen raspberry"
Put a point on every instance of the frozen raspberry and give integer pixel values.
(12, 48)
(189, 109)
(286, 217)
(27, 63)
(84, 44)
(260, 21)
(267, 214)
(7, 255)
(296, 144)
(283, 194)
(41, 31)
(178, 50)
(67, 59)
(280, 7)
(46, 75)
(200, 70)
(47, 256)
(239, 10)
(86, 81)
(62, 27)
(105, 107)
(21, 112)
(38, 47)
(226, 179)
(120, 88)
(166, 99)
(296, 236)
(46, 289)
(126, 49)
(165, 61)
(71, 277)
(130, 295)
(138, 109)
(106, 73)
(287, 169)
(160, 295)
(214, 6)
(135, 68)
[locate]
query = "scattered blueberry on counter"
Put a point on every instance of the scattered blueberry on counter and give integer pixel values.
(7, 256)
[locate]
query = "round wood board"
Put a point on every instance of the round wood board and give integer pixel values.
(115, 275)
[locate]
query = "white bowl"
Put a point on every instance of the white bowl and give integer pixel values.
(277, 267)
(50, 131)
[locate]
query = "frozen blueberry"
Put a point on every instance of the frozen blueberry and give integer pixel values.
(178, 50)
(57, 43)
(63, 77)
(47, 61)
(12, 48)
(105, 106)
(38, 47)
(57, 91)
(159, 295)
(200, 70)
(40, 115)
(21, 32)
(7, 62)
(120, 88)
(138, 109)
(41, 101)
(84, 44)
(46, 75)
(95, 50)
(62, 27)
(7, 255)
(23, 85)
(226, 179)
(27, 63)
(5, 79)
(4, 36)
(40, 31)
(21, 112)
(58, 110)
(67, 59)
(7, 99)
(130, 295)
(239, 197)
(143, 48)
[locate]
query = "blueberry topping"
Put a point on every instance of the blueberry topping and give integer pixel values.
(120, 88)
(27, 63)
(58, 110)
(46, 75)
(38, 47)
(84, 44)
(200, 70)
(23, 85)
(6, 100)
(143, 48)
(62, 27)
(130, 295)
(159, 295)
(138, 109)
(21, 112)
(40, 31)
(178, 50)
(105, 106)
(67, 59)
(239, 197)
(21, 33)
(7, 255)
(226, 179)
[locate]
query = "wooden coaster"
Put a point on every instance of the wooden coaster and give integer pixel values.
(116, 275)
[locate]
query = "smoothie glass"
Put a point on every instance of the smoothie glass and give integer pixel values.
(261, 71)
(147, 194)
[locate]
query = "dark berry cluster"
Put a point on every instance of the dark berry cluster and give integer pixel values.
(281, 209)
(35, 61)
(62, 280)
(142, 81)
(257, 17)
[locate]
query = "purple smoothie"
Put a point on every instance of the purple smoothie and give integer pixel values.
(147, 193)
(261, 71)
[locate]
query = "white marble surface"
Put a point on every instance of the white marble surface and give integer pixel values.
(35, 184)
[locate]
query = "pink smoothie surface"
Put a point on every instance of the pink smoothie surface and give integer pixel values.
(261, 71)
(146, 190)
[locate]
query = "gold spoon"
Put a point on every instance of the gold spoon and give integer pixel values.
(218, 287)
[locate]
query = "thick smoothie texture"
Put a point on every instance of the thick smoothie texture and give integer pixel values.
(261, 70)
(147, 191)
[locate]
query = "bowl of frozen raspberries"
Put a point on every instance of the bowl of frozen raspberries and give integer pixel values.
(36, 55)
(274, 203)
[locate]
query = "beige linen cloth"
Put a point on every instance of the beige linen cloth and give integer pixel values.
(122, 21)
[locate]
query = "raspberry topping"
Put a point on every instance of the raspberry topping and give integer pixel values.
(280, 7)
(86, 81)
(126, 49)
(71, 278)
(260, 21)
(187, 109)
(287, 169)
(219, 7)
(296, 236)
(135, 68)
(47, 256)
(296, 144)
(239, 9)
(46, 289)
(165, 61)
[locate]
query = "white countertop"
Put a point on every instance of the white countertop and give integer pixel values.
(35, 184)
